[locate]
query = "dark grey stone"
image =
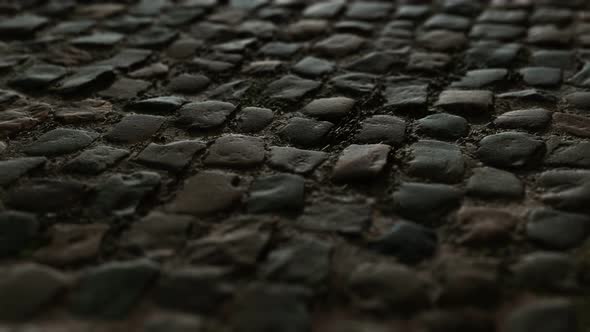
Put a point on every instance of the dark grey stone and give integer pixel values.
(382, 128)
(425, 201)
(492, 54)
(329, 108)
(488, 182)
(235, 46)
(205, 114)
(444, 126)
(165, 104)
(582, 77)
(554, 59)
(39, 76)
(112, 289)
(27, 289)
(579, 99)
(368, 10)
(125, 88)
(546, 271)
(280, 49)
(120, 194)
(326, 9)
(254, 119)
(135, 128)
(355, 82)
(555, 229)
(511, 149)
(127, 58)
(184, 48)
(305, 132)
(170, 291)
(17, 232)
(295, 160)
(209, 192)
(339, 45)
(173, 156)
(447, 21)
(408, 242)
(45, 195)
(536, 315)
(313, 67)
(541, 76)
(290, 88)
(264, 307)
(60, 141)
(12, 170)
(429, 62)
(21, 26)
(504, 32)
(342, 217)
(236, 151)
(570, 154)
(479, 78)
(96, 160)
(86, 78)
(442, 40)
(469, 102)
(75, 27)
(174, 323)
(98, 39)
(302, 261)
(361, 162)
(375, 62)
(385, 286)
(153, 37)
(566, 189)
(529, 119)
(276, 193)
(407, 96)
(188, 83)
(437, 161)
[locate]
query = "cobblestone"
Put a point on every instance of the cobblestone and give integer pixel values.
(294, 165)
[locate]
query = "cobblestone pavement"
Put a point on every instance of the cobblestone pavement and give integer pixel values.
(295, 165)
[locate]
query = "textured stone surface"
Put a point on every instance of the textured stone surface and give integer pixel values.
(437, 161)
(172, 156)
(29, 289)
(135, 128)
(205, 115)
(294, 165)
(60, 141)
(535, 317)
(382, 128)
(276, 193)
(360, 162)
(208, 192)
(335, 107)
(18, 230)
(510, 149)
(469, 102)
(236, 151)
(295, 160)
(96, 160)
(111, 290)
(491, 182)
(12, 170)
(556, 229)
(442, 125)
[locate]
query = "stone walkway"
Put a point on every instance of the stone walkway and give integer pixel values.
(295, 165)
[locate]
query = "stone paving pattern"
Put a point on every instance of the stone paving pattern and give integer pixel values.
(295, 165)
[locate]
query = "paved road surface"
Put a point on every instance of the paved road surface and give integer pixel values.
(295, 166)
